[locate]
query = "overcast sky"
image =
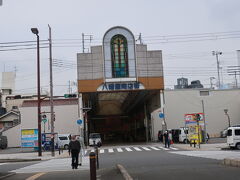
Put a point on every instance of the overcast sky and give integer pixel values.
(157, 20)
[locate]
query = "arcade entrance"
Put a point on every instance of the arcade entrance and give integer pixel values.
(121, 116)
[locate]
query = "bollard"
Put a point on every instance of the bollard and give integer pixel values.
(194, 143)
(92, 159)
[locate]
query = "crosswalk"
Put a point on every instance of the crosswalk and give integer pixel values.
(52, 165)
(131, 149)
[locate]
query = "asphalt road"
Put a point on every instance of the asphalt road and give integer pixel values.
(147, 165)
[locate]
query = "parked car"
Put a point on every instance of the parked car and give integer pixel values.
(233, 137)
(63, 140)
(3, 142)
(95, 139)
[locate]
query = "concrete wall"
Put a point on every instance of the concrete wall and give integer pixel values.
(65, 115)
(90, 65)
(180, 102)
(149, 63)
(13, 136)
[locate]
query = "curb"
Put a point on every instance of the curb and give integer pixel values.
(231, 162)
(124, 172)
(7, 175)
(18, 160)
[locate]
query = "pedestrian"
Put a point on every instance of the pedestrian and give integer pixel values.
(74, 149)
(166, 139)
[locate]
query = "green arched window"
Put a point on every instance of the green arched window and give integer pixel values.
(119, 52)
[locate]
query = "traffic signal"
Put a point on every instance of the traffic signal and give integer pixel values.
(44, 118)
(198, 117)
(70, 95)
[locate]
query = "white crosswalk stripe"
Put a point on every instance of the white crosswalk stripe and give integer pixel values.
(119, 150)
(173, 148)
(128, 149)
(155, 148)
(145, 148)
(137, 149)
(110, 150)
(166, 149)
(101, 151)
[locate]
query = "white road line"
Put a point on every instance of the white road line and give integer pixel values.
(137, 149)
(2, 164)
(92, 150)
(173, 148)
(119, 150)
(145, 148)
(110, 150)
(166, 149)
(101, 151)
(128, 149)
(155, 148)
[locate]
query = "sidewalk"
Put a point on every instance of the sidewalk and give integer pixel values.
(32, 156)
(203, 147)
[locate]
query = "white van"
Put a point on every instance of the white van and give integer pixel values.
(183, 135)
(95, 139)
(233, 137)
(63, 140)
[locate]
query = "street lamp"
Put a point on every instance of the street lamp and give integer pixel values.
(35, 31)
(226, 113)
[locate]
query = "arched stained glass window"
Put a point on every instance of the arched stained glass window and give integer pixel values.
(119, 52)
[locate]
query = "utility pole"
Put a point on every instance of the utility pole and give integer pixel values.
(83, 41)
(234, 70)
(217, 53)
(204, 121)
(211, 83)
(51, 91)
(83, 48)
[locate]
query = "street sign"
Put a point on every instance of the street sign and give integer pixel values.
(79, 122)
(161, 115)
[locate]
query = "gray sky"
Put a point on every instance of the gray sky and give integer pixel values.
(155, 19)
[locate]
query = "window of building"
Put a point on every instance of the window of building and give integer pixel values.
(204, 93)
(119, 53)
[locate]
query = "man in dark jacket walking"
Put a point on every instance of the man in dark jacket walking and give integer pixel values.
(166, 139)
(74, 148)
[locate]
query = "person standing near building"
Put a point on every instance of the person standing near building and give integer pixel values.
(74, 149)
(166, 139)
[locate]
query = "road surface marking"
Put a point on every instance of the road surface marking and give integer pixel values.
(119, 150)
(110, 150)
(137, 149)
(93, 150)
(163, 148)
(155, 148)
(35, 176)
(101, 151)
(2, 163)
(145, 148)
(173, 148)
(128, 149)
